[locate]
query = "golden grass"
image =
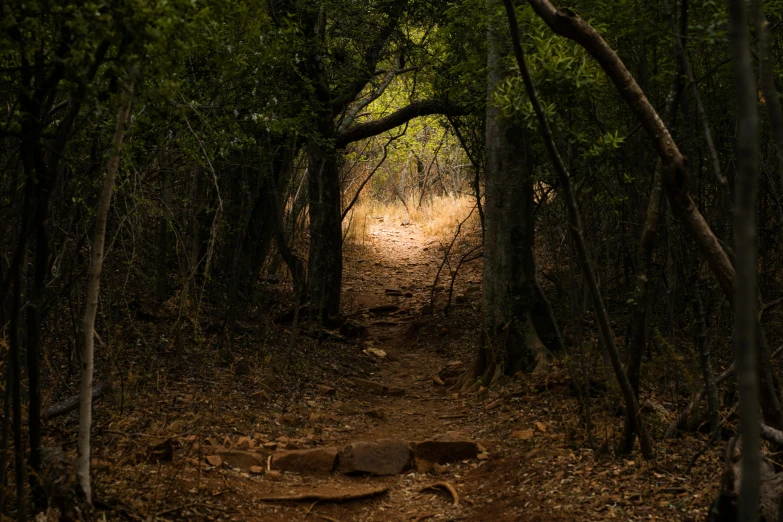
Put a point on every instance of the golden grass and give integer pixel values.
(437, 217)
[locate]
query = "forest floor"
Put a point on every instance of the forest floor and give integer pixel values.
(155, 459)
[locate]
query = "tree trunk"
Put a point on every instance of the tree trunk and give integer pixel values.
(639, 326)
(745, 304)
(94, 282)
(325, 265)
(508, 225)
(162, 241)
(575, 224)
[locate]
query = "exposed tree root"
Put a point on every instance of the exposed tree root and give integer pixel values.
(448, 487)
(328, 497)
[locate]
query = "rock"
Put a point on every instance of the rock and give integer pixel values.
(439, 469)
(325, 390)
(245, 443)
(522, 434)
(449, 447)
(214, 460)
(384, 309)
(290, 420)
(382, 457)
(160, 450)
(423, 466)
(256, 470)
(353, 329)
(312, 461)
(273, 475)
(376, 413)
(239, 459)
(377, 352)
(370, 386)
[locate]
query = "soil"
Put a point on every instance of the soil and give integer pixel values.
(536, 465)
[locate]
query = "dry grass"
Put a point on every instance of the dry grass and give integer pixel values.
(438, 217)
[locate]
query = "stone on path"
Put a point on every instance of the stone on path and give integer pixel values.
(382, 457)
(311, 461)
(376, 413)
(239, 459)
(449, 447)
(378, 388)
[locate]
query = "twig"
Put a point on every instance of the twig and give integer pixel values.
(683, 417)
(713, 437)
(446, 258)
(309, 509)
(448, 487)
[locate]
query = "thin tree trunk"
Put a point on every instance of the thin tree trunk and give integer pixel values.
(675, 180)
(162, 241)
(575, 223)
(94, 282)
(4, 435)
(767, 80)
(15, 379)
(745, 188)
(703, 347)
(644, 260)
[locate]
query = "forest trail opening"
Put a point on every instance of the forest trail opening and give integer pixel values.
(212, 452)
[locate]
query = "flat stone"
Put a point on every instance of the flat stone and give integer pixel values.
(371, 386)
(311, 461)
(325, 390)
(449, 447)
(382, 457)
(239, 459)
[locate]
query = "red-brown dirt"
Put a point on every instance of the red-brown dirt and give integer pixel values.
(150, 459)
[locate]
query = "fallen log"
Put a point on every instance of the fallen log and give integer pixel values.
(71, 403)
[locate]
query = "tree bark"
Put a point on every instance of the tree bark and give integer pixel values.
(575, 224)
(508, 226)
(639, 327)
(91, 307)
(745, 303)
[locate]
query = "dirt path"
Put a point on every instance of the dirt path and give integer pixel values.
(534, 464)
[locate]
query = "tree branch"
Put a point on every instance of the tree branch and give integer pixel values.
(568, 24)
(414, 110)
